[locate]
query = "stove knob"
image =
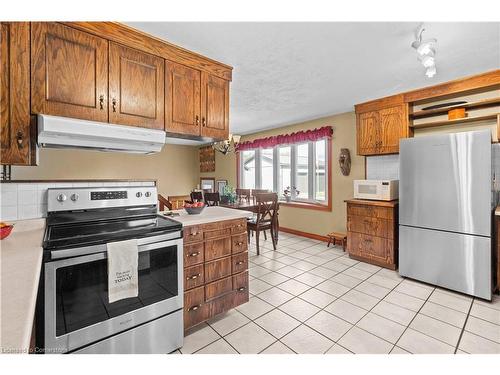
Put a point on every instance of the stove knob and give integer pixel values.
(61, 198)
(147, 194)
(74, 197)
(138, 194)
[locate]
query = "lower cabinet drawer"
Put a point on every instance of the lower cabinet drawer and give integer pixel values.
(240, 243)
(194, 276)
(195, 309)
(194, 254)
(368, 225)
(218, 248)
(217, 269)
(239, 226)
(376, 248)
(370, 211)
(192, 233)
(240, 286)
(218, 288)
(239, 262)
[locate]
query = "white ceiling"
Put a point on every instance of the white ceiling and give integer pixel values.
(285, 73)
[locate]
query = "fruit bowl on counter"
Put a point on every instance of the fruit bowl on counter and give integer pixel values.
(194, 208)
(5, 230)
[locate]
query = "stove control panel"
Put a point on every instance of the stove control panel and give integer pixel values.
(84, 198)
(101, 195)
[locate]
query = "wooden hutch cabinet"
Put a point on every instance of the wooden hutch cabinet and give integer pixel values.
(372, 232)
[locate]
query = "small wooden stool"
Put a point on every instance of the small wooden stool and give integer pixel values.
(335, 237)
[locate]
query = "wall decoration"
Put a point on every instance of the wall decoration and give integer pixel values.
(207, 184)
(207, 159)
(345, 161)
(220, 185)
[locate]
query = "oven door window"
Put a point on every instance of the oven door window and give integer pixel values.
(82, 289)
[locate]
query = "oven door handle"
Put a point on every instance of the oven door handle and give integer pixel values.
(141, 242)
(102, 254)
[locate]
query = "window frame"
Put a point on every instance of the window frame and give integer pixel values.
(310, 202)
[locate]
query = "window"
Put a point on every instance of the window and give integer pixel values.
(303, 165)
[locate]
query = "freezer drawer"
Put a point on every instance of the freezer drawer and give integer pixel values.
(445, 182)
(455, 261)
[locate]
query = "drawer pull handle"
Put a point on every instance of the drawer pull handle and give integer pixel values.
(241, 289)
(368, 240)
(193, 234)
(239, 263)
(194, 254)
(194, 277)
(194, 308)
(239, 243)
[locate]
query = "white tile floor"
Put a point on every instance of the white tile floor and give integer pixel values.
(307, 298)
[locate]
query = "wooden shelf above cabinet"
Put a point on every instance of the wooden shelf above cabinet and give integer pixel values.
(471, 106)
(453, 122)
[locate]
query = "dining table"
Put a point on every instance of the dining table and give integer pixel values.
(251, 205)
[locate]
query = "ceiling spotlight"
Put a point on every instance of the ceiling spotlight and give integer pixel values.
(430, 72)
(426, 49)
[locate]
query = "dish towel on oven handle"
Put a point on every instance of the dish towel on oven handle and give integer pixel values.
(122, 270)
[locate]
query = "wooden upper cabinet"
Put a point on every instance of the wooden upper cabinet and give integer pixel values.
(136, 88)
(393, 127)
(215, 107)
(368, 130)
(69, 72)
(183, 99)
(381, 124)
(16, 142)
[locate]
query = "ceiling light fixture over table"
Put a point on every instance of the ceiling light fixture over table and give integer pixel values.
(228, 145)
(426, 50)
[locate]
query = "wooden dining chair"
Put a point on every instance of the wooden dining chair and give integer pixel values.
(243, 194)
(177, 201)
(212, 199)
(266, 218)
(254, 192)
(197, 196)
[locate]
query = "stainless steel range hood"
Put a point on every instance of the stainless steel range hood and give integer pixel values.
(64, 132)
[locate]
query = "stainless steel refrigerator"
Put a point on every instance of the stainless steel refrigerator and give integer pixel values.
(445, 211)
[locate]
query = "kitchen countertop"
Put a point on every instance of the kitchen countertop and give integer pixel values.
(21, 260)
(210, 215)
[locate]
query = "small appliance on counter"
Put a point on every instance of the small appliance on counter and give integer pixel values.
(74, 312)
(380, 190)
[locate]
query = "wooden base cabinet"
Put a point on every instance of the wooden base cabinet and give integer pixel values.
(496, 256)
(215, 269)
(372, 232)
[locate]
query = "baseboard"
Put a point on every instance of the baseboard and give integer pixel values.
(304, 234)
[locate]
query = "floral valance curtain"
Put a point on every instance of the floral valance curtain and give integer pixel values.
(286, 139)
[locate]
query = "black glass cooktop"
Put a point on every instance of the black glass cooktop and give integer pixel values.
(60, 235)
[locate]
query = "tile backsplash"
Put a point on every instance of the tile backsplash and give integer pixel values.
(384, 167)
(19, 201)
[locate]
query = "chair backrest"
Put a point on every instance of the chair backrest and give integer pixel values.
(163, 203)
(267, 207)
(197, 196)
(212, 199)
(260, 191)
(243, 194)
(177, 201)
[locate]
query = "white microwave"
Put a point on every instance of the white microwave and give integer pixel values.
(380, 190)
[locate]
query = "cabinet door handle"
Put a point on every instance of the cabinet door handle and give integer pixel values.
(368, 240)
(239, 243)
(197, 119)
(101, 102)
(194, 254)
(20, 139)
(203, 121)
(241, 289)
(194, 308)
(194, 277)
(193, 234)
(113, 102)
(239, 263)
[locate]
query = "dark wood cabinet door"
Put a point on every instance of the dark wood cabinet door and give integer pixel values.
(69, 72)
(368, 133)
(16, 143)
(393, 127)
(215, 100)
(136, 88)
(183, 99)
